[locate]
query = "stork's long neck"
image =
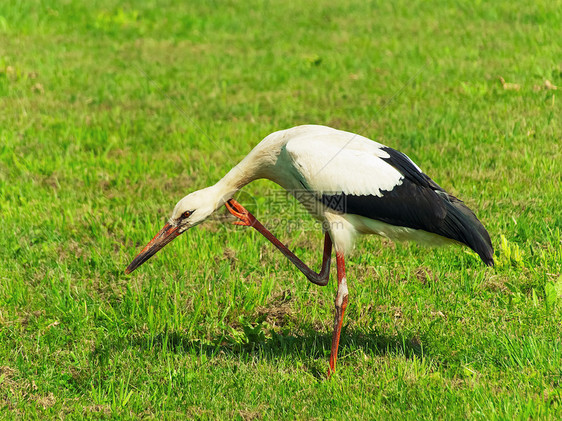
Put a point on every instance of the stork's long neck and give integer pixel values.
(257, 164)
(234, 180)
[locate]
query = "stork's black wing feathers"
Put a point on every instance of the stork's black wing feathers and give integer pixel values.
(418, 203)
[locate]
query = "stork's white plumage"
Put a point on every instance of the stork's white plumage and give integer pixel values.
(352, 184)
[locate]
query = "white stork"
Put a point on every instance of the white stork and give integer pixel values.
(351, 184)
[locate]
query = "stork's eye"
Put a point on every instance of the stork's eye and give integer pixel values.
(186, 214)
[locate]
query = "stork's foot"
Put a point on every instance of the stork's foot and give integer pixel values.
(245, 218)
(341, 305)
(338, 322)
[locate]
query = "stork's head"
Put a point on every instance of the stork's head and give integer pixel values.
(190, 211)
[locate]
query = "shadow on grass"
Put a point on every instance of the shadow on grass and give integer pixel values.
(309, 344)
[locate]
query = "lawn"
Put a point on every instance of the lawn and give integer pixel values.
(110, 112)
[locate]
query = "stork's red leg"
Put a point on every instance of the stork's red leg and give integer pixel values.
(341, 305)
(247, 219)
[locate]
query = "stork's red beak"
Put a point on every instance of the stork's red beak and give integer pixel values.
(166, 234)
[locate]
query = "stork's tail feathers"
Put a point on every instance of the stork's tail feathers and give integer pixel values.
(462, 225)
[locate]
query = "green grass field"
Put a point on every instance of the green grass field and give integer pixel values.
(112, 111)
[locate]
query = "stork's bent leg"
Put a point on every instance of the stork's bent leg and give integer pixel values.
(245, 218)
(341, 305)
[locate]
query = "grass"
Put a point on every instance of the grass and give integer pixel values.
(112, 111)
